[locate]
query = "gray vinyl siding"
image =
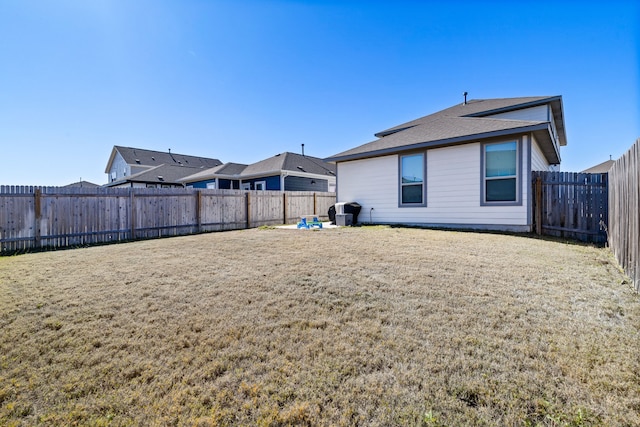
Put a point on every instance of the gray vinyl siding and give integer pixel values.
(298, 183)
(538, 161)
(120, 167)
(539, 113)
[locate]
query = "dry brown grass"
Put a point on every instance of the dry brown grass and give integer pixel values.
(352, 326)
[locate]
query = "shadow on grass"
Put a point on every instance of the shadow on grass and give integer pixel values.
(529, 235)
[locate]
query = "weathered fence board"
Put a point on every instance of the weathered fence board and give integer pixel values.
(573, 205)
(624, 212)
(52, 217)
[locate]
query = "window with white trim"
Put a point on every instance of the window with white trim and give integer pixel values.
(412, 172)
(500, 172)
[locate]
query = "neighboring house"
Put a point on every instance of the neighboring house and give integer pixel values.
(601, 167)
(224, 177)
(282, 172)
(81, 184)
(136, 167)
(468, 166)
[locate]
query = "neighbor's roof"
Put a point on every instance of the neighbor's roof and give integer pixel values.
(81, 184)
(162, 174)
(290, 162)
(600, 168)
(227, 170)
(139, 156)
(464, 123)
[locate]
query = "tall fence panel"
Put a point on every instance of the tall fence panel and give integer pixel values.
(299, 205)
(624, 212)
(222, 210)
(323, 201)
(53, 217)
(265, 208)
(571, 205)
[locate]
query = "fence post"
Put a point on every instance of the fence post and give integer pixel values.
(132, 213)
(248, 208)
(284, 207)
(538, 205)
(198, 209)
(315, 203)
(37, 207)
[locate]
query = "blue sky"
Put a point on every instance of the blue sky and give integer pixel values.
(242, 80)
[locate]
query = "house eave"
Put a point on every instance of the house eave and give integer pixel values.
(515, 107)
(439, 143)
(387, 133)
(549, 148)
(285, 172)
(114, 150)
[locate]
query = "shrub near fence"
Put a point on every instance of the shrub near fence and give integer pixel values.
(624, 212)
(52, 217)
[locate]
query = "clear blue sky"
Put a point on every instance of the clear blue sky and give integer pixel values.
(242, 80)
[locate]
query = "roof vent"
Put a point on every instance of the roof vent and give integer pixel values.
(301, 168)
(465, 98)
(160, 178)
(153, 158)
(138, 161)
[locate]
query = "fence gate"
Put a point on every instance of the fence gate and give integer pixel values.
(572, 205)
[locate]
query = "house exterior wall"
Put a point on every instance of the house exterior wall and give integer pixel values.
(299, 183)
(119, 169)
(453, 190)
(222, 184)
(228, 184)
(201, 184)
(272, 182)
(540, 113)
(538, 161)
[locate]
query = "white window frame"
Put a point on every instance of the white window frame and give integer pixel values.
(262, 184)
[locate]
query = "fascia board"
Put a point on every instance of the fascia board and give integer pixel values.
(514, 107)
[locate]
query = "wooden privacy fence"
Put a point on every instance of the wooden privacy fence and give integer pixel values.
(53, 217)
(572, 205)
(624, 212)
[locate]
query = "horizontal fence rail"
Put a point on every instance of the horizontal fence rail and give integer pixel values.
(55, 217)
(571, 205)
(624, 212)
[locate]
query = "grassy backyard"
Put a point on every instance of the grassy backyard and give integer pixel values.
(370, 326)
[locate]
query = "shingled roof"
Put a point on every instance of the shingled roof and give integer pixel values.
(290, 162)
(464, 123)
(600, 167)
(228, 169)
(141, 157)
(161, 174)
